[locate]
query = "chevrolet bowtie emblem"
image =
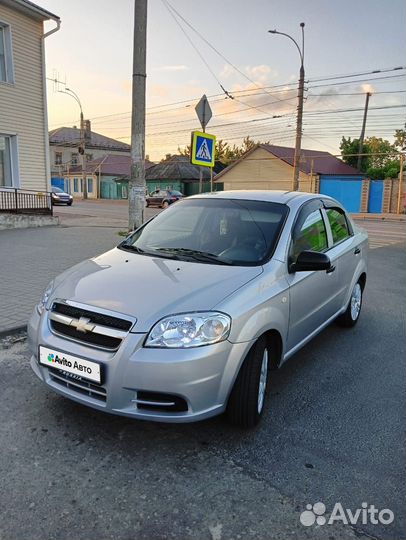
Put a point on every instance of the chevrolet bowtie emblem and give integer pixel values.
(82, 324)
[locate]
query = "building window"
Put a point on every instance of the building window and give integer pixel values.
(6, 62)
(90, 185)
(58, 158)
(6, 179)
(9, 174)
(74, 158)
(75, 185)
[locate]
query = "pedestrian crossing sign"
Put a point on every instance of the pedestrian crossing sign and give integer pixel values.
(203, 149)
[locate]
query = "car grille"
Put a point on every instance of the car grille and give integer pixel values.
(93, 328)
(78, 385)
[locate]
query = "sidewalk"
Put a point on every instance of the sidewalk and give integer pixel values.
(381, 217)
(30, 258)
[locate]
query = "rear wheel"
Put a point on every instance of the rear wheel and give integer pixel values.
(246, 402)
(351, 315)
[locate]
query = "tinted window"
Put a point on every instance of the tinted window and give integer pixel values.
(236, 231)
(338, 224)
(309, 234)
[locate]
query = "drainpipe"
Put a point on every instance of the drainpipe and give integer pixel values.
(45, 104)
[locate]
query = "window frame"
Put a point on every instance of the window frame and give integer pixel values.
(332, 206)
(309, 206)
(8, 53)
(55, 161)
(14, 160)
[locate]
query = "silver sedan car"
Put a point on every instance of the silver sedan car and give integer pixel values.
(188, 316)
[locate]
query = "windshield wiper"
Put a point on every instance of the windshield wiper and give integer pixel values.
(130, 247)
(195, 254)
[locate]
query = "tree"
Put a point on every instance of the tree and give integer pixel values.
(381, 159)
(224, 152)
(400, 139)
(349, 151)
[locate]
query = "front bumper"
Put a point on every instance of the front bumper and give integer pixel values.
(202, 376)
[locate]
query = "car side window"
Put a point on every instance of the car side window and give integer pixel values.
(338, 224)
(309, 234)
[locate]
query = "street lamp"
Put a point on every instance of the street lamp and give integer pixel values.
(73, 94)
(300, 96)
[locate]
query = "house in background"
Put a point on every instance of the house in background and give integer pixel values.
(178, 173)
(24, 151)
(64, 145)
(268, 166)
(106, 176)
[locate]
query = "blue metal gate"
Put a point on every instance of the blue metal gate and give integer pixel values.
(59, 182)
(375, 196)
(346, 190)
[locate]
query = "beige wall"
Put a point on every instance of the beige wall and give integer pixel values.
(21, 102)
(260, 170)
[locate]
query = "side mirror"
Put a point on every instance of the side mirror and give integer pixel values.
(309, 261)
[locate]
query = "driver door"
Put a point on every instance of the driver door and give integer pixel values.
(313, 295)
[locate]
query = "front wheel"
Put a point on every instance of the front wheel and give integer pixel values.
(351, 315)
(246, 402)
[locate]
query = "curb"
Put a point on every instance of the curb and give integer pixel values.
(12, 330)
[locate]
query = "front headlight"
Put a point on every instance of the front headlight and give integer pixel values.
(45, 298)
(189, 330)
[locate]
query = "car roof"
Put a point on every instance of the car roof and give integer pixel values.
(278, 196)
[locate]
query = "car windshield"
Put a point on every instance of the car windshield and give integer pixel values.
(57, 190)
(212, 230)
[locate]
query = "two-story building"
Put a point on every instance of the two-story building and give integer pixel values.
(64, 143)
(24, 149)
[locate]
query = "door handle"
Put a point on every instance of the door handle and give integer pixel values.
(357, 251)
(330, 270)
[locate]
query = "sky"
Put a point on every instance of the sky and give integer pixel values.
(92, 55)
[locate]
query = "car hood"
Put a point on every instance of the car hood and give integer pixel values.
(149, 288)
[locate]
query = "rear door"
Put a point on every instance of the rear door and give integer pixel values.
(344, 248)
(313, 295)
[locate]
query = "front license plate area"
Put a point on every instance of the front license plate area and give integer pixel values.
(70, 364)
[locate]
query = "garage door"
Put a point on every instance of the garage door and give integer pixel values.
(346, 191)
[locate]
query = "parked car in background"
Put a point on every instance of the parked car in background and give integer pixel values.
(59, 196)
(186, 318)
(163, 197)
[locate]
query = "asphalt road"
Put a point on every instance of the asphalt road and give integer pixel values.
(332, 432)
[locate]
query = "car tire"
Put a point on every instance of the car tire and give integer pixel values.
(146, 204)
(165, 204)
(246, 402)
(69, 203)
(351, 315)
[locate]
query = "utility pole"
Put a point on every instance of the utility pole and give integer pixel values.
(136, 185)
(300, 98)
(82, 154)
(299, 122)
(361, 138)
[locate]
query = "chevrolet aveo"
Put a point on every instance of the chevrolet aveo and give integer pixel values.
(186, 318)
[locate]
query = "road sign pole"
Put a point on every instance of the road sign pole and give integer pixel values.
(204, 114)
(201, 168)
